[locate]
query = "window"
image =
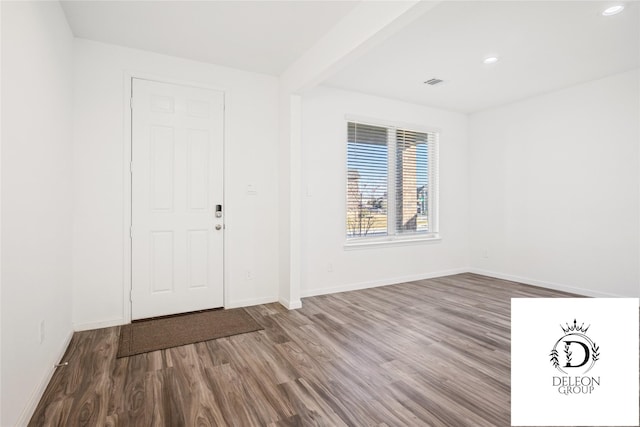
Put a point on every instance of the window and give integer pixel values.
(392, 189)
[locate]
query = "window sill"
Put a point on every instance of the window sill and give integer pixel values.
(381, 242)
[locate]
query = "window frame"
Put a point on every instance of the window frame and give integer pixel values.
(394, 238)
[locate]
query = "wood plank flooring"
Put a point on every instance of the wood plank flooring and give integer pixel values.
(432, 352)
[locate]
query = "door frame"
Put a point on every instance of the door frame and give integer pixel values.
(126, 179)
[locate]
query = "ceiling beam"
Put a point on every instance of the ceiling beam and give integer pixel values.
(367, 25)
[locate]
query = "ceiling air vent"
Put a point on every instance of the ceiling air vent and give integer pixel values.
(433, 81)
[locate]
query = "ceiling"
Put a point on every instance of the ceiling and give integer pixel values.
(542, 46)
(260, 36)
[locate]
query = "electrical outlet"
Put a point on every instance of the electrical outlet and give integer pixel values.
(330, 268)
(485, 253)
(41, 332)
(249, 275)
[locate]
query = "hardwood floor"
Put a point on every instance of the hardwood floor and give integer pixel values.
(432, 352)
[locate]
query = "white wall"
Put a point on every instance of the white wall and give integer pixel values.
(36, 200)
(554, 188)
(324, 175)
(252, 144)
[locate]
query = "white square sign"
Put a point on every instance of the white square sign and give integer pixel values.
(574, 362)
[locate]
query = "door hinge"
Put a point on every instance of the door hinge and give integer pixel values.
(131, 295)
(131, 166)
(131, 232)
(131, 102)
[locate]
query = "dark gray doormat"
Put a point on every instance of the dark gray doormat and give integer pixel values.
(158, 334)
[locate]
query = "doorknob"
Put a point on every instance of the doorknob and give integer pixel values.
(218, 227)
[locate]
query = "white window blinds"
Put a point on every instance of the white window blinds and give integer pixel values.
(391, 181)
(414, 180)
(367, 180)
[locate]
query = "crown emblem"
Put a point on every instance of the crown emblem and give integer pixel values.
(575, 327)
(575, 338)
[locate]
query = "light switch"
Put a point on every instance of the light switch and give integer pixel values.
(251, 189)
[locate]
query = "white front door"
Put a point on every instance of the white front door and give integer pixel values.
(176, 199)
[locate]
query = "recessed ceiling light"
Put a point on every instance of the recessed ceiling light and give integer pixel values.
(613, 10)
(490, 60)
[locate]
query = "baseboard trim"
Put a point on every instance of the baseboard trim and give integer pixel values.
(383, 282)
(32, 403)
(98, 325)
(290, 305)
(293, 305)
(120, 321)
(251, 301)
(544, 284)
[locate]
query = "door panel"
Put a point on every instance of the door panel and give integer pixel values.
(162, 160)
(177, 180)
(198, 165)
